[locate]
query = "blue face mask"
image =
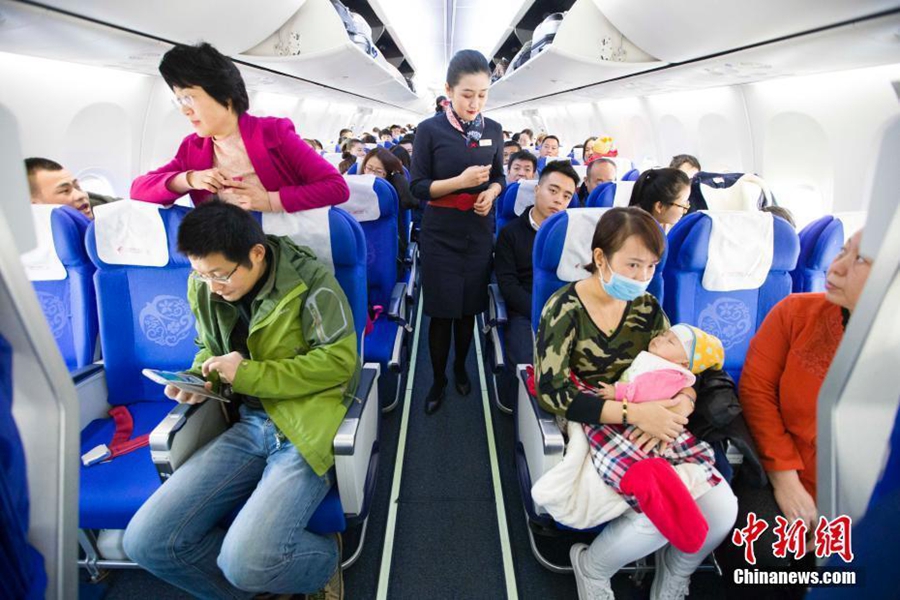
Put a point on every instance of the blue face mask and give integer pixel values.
(623, 288)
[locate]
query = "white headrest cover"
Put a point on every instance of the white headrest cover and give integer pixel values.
(310, 228)
(333, 157)
(581, 170)
(42, 263)
(363, 201)
(131, 232)
(525, 195)
(623, 165)
(623, 193)
(743, 195)
(550, 159)
(741, 248)
(576, 252)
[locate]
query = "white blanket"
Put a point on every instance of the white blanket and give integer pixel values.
(310, 228)
(742, 195)
(524, 195)
(741, 246)
(576, 252)
(575, 495)
(623, 193)
(363, 201)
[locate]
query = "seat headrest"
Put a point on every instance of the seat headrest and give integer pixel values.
(310, 228)
(137, 234)
(581, 170)
(827, 244)
(44, 263)
(576, 251)
(852, 221)
(364, 202)
(525, 195)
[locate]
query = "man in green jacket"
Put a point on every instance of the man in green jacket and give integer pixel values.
(276, 332)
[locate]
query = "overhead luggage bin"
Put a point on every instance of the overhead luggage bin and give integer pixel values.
(232, 26)
(314, 45)
(586, 49)
(661, 27)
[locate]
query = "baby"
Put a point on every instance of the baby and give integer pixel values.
(649, 483)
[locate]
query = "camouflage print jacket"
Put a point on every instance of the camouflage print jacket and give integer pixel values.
(569, 341)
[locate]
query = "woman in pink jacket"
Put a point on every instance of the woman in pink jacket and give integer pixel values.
(258, 163)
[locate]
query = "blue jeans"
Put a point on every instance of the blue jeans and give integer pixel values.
(178, 534)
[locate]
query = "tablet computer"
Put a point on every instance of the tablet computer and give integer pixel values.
(183, 381)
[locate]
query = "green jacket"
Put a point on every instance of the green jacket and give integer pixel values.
(304, 365)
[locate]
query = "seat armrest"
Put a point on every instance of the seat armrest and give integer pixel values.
(186, 429)
(83, 373)
(497, 307)
(412, 259)
(538, 432)
(93, 394)
(356, 441)
(397, 306)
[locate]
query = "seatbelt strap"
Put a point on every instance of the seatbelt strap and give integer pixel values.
(121, 442)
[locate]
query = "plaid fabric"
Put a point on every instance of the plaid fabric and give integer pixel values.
(613, 453)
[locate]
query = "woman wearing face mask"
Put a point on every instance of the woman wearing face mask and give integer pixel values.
(594, 329)
(664, 194)
(256, 163)
(457, 168)
(785, 367)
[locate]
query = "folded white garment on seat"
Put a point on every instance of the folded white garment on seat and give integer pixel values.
(524, 195)
(310, 228)
(363, 201)
(741, 247)
(576, 252)
(623, 193)
(131, 232)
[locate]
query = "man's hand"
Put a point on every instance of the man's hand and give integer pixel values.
(226, 366)
(183, 397)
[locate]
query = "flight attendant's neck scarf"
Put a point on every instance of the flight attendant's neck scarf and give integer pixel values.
(471, 130)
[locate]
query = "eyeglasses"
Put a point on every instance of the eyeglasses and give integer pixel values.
(183, 101)
(682, 207)
(370, 170)
(210, 279)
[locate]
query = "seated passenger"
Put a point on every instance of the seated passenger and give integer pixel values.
(648, 481)
(350, 152)
(50, 183)
(382, 163)
(290, 380)
(599, 170)
(407, 141)
(521, 165)
(587, 149)
(385, 138)
(594, 329)
(514, 266)
(524, 138)
(218, 160)
(550, 146)
(510, 148)
(686, 163)
(786, 365)
(664, 194)
(396, 133)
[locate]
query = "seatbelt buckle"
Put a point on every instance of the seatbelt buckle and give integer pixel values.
(98, 454)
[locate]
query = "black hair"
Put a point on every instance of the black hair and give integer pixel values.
(408, 138)
(780, 211)
(392, 164)
(341, 134)
(511, 143)
(550, 137)
(386, 132)
(680, 159)
(563, 167)
(515, 138)
(318, 144)
(401, 153)
(522, 155)
(368, 138)
(439, 104)
(204, 66)
(216, 226)
(658, 185)
(620, 223)
(529, 132)
(466, 62)
(35, 164)
(392, 127)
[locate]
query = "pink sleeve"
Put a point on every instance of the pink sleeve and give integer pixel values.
(322, 184)
(655, 385)
(153, 186)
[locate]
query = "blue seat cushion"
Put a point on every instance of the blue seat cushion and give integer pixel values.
(329, 516)
(112, 492)
(380, 342)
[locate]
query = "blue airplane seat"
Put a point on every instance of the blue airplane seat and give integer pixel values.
(22, 572)
(631, 175)
(609, 194)
(62, 276)
(820, 242)
(733, 315)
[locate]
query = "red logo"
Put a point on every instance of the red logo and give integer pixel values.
(830, 537)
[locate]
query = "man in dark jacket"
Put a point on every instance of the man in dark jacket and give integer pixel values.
(514, 266)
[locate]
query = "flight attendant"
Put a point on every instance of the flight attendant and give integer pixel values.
(457, 168)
